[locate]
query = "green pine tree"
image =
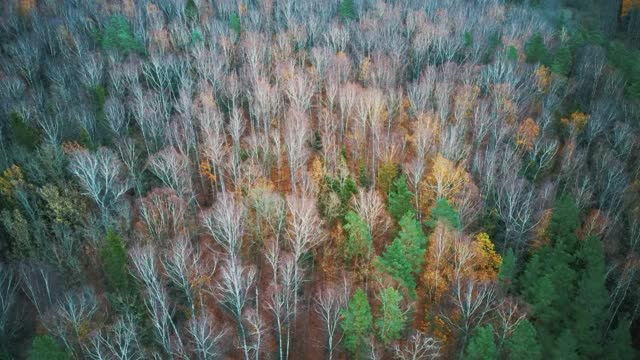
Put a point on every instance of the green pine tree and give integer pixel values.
(619, 345)
(507, 269)
(22, 133)
(117, 34)
(562, 61)
(535, 50)
(44, 347)
(234, 23)
(549, 279)
(347, 10)
(356, 323)
(592, 298)
(358, 243)
(114, 262)
(512, 53)
(400, 198)
(565, 347)
(191, 11)
(523, 343)
(482, 345)
(443, 211)
(392, 320)
(403, 258)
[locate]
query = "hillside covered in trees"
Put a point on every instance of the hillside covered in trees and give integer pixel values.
(306, 179)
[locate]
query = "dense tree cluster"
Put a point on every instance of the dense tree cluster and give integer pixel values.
(301, 179)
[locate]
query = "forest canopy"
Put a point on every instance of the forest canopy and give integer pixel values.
(305, 179)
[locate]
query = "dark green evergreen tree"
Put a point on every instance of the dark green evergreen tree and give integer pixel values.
(592, 298)
(535, 50)
(234, 23)
(44, 347)
(565, 347)
(548, 281)
(356, 323)
(358, 243)
(443, 211)
(482, 345)
(403, 258)
(507, 269)
(400, 198)
(562, 61)
(619, 345)
(523, 343)
(114, 262)
(392, 320)
(347, 10)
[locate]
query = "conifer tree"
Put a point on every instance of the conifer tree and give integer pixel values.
(590, 305)
(523, 343)
(562, 61)
(442, 210)
(619, 344)
(482, 345)
(356, 323)
(392, 319)
(114, 262)
(358, 243)
(46, 348)
(549, 277)
(347, 10)
(403, 258)
(535, 50)
(399, 199)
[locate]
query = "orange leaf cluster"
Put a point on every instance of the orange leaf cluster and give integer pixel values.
(205, 170)
(628, 5)
(527, 134)
(543, 78)
(576, 120)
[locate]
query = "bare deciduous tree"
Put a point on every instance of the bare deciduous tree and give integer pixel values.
(101, 176)
(225, 223)
(205, 337)
(418, 347)
(296, 133)
(330, 301)
(120, 343)
(156, 300)
(174, 170)
(233, 292)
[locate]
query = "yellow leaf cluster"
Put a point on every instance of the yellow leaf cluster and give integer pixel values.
(62, 209)
(488, 261)
(445, 180)
(11, 179)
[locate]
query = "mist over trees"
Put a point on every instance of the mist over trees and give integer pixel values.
(342, 179)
